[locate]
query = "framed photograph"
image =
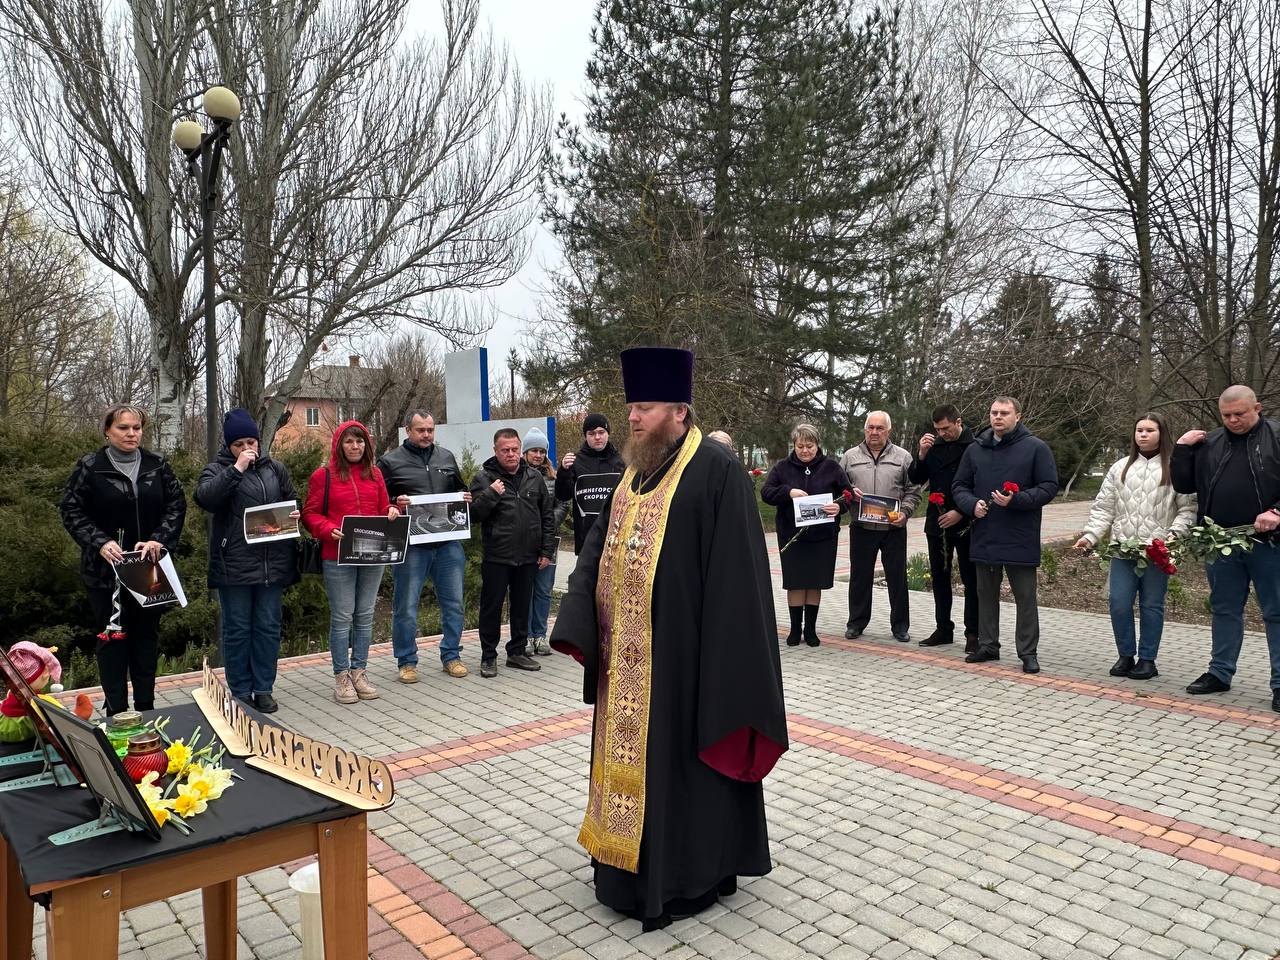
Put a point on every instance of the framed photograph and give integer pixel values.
(153, 583)
(437, 517)
(809, 510)
(591, 492)
(104, 775)
(369, 541)
(876, 509)
(271, 522)
(36, 709)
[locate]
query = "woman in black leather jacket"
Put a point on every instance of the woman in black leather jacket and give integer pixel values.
(122, 498)
(250, 577)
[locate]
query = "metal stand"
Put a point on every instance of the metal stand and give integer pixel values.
(54, 772)
(109, 821)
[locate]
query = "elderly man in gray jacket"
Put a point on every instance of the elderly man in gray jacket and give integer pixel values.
(878, 467)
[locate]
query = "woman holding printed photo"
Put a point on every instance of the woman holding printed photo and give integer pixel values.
(123, 498)
(250, 577)
(348, 486)
(808, 563)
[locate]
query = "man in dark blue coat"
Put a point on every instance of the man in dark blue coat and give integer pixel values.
(1004, 480)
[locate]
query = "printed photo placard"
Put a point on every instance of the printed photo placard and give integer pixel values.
(272, 521)
(153, 583)
(437, 517)
(369, 541)
(877, 509)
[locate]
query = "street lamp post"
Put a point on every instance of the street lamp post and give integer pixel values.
(223, 108)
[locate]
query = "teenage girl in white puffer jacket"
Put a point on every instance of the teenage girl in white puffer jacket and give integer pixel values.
(1137, 499)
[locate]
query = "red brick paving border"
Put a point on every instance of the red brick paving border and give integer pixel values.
(1128, 694)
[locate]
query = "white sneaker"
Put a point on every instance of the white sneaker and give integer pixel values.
(343, 689)
(541, 647)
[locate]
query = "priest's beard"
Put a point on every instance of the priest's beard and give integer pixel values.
(650, 451)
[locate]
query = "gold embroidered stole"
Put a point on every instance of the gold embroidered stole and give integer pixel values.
(614, 821)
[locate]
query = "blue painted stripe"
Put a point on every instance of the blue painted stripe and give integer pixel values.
(551, 440)
(484, 383)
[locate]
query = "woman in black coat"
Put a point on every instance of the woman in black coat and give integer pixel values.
(250, 577)
(809, 564)
(119, 498)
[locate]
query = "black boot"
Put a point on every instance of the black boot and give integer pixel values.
(1144, 670)
(793, 638)
(1122, 667)
(811, 624)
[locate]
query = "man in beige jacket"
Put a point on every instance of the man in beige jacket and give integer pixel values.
(878, 467)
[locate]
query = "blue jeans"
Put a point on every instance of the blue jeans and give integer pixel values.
(1149, 590)
(250, 638)
(540, 605)
(352, 591)
(1228, 591)
(444, 564)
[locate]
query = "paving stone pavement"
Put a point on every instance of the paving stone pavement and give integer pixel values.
(926, 808)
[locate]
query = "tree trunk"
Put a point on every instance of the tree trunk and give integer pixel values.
(171, 388)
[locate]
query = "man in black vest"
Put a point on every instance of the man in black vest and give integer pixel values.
(945, 528)
(420, 466)
(1235, 474)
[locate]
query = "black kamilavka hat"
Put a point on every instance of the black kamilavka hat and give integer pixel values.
(657, 375)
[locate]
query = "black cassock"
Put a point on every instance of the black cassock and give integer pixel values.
(717, 723)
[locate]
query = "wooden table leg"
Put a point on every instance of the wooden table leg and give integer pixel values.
(344, 887)
(85, 918)
(220, 920)
(16, 909)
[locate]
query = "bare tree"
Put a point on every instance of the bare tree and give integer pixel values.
(49, 310)
(93, 88)
(367, 177)
(1217, 156)
(372, 179)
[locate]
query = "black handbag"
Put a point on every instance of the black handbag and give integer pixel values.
(309, 556)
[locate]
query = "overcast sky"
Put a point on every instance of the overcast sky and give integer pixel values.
(551, 43)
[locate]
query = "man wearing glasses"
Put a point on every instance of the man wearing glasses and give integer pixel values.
(589, 476)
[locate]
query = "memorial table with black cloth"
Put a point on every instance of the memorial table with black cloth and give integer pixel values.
(259, 822)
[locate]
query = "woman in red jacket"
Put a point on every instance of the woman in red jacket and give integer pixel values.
(349, 486)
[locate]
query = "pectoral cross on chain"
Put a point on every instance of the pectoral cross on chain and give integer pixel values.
(634, 544)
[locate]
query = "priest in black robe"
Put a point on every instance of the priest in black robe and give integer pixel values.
(670, 612)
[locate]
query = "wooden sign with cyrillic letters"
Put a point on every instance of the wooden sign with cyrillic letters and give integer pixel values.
(358, 781)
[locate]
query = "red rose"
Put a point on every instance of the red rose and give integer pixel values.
(1171, 569)
(937, 499)
(757, 472)
(1010, 487)
(846, 496)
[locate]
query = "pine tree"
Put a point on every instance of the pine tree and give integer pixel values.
(744, 183)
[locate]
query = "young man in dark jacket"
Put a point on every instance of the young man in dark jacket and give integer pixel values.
(946, 529)
(1235, 473)
(588, 477)
(1004, 480)
(516, 512)
(250, 577)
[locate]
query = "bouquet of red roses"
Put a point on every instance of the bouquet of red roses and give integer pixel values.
(1158, 553)
(1140, 552)
(1208, 541)
(937, 499)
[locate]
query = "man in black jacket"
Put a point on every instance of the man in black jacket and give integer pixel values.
(418, 466)
(517, 516)
(589, 476)
(945, 528)
(1004, 480)
(1235, 473)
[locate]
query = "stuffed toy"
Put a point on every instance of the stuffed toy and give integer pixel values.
(39, 666)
